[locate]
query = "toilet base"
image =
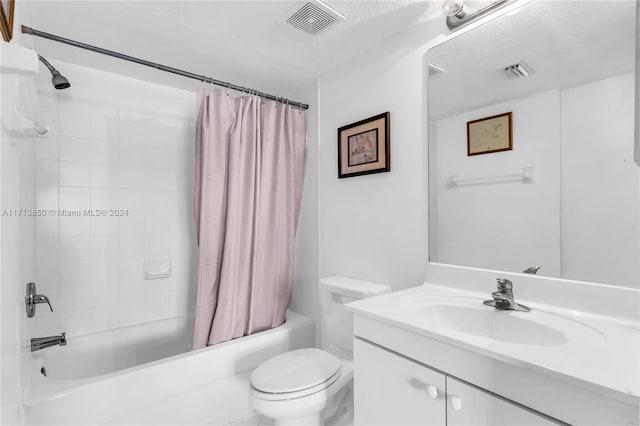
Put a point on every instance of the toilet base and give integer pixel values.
(313, 420)
(339, 411)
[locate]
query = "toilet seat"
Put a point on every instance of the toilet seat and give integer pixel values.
(295, 374)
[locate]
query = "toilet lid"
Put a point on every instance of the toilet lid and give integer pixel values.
(294, 371)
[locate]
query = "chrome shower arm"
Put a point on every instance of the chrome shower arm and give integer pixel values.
(47, 64)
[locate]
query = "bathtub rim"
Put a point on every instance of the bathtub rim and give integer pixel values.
(40, 389)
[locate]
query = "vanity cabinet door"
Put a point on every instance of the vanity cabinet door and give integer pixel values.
(392, 390)
(467, 405)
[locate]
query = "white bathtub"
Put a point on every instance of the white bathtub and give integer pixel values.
(143, 375)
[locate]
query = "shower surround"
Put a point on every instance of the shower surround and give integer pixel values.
(123, 146)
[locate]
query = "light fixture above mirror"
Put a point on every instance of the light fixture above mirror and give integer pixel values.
(460, 13)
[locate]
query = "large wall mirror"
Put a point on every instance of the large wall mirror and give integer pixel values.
(566, 196)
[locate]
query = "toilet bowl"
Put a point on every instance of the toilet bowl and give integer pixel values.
(295, 388)
(308, 386)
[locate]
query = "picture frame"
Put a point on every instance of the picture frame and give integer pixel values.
(6, 19)
(490, 134)
(364, 147)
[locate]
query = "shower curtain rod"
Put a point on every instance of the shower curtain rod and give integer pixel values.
(203, 78)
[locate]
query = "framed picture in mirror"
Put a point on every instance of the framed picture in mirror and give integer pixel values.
(6, 19)
(489, 134)
(363, 147)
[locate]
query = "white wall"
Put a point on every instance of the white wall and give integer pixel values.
(115, 143)
(508, 226)
(374, 227)
(305, 299)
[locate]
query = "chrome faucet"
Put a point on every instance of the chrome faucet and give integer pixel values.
(503, 298)
(38, 343)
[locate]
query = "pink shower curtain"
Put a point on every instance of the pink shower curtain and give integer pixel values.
(248, 185)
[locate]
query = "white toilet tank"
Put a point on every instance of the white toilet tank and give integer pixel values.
(336, 321)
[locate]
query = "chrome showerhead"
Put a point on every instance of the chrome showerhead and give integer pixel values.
(58, 80)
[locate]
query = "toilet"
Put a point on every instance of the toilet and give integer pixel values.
(311, 386)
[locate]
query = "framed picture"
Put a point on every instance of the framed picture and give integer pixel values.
(6, 19)
(489, 134)
(363, 147)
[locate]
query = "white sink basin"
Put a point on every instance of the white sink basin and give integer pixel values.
(469, 316)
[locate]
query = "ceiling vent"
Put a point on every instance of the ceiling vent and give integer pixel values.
(519, 70)
(312, 17)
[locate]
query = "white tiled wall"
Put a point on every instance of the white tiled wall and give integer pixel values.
(123, 144)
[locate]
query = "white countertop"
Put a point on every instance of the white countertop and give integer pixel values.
(599, 351)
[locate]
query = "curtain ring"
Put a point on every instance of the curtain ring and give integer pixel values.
(203, 80)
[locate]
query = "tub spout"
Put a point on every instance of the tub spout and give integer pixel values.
(38, 343)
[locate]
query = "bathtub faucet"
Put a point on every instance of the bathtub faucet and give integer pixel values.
(38, 343)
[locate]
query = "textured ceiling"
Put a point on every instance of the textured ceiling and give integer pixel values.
(243, 42)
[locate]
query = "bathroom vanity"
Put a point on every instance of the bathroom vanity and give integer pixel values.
(419, 394)
(434, 354)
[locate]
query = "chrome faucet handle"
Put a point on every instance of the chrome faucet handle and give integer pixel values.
(31, 299)
(41, 298)
(504, 284)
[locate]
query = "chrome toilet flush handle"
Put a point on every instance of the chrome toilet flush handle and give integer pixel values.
(31, 299)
